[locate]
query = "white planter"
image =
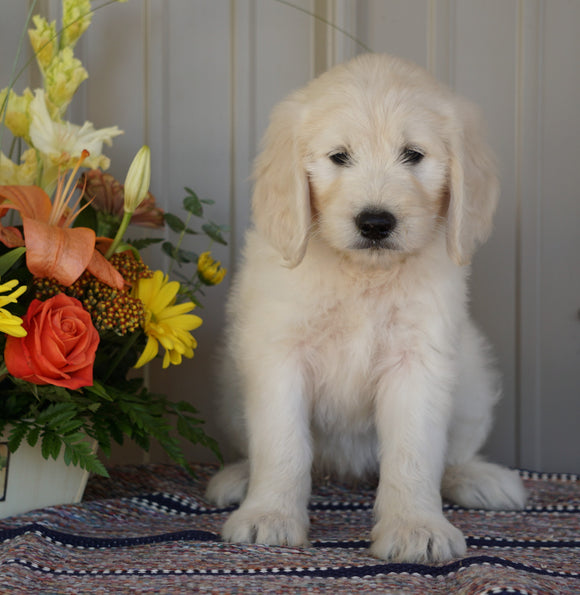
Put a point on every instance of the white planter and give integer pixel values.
(29, 481)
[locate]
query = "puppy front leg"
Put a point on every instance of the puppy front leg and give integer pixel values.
(275, 509)
(412, 414)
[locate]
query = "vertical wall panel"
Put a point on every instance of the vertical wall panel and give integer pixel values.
(529, 194)
(114, 91)
(485, 72)
(395, 27)
(560, 239)
(14, 13)
(195, 104)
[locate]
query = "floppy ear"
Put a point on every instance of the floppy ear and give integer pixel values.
(281, 200)
(474, 187)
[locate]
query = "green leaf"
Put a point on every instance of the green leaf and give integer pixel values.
(56, 414)
(174, 222)
(32, 437)
(99, 390)
(178, 254)
(193, 205)
(214, 231)
(51, 445)
(8, 260)
(16, 436)
(142, 243)
(79, 452)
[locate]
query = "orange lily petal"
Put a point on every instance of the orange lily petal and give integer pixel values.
(103, 270)
(31, 201)
(102, 244)
(11, 237)
(59, 253)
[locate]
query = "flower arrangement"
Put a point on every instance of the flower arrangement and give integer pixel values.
(79, 308)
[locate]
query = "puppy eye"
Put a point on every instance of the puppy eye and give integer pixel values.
(341, 158)
(411, 156)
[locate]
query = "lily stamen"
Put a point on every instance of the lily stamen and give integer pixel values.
(64, 195)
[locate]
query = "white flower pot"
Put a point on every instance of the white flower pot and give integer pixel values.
(29, 481)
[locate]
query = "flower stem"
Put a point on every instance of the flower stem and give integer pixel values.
(127, 346)
(179, 242)
(120, 233)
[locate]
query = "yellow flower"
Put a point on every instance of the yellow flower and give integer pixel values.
(23, 174)
(17, 116)
(9, 323)
(165, 322)
(44, 41)
(62, 78)
(76, 18)
(209, 271)
(63, 142)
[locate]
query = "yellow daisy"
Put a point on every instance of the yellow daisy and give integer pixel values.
(9, 323)
(165, 322)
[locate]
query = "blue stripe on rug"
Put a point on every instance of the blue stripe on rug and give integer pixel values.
(79, 541)
(363, 571)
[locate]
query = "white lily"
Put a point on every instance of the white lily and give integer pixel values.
(63, 142)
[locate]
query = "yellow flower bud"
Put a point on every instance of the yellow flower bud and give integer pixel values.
(209, 271)
(17, 117)
(138, 179)
(63, 77)
(76, 18)
(44, 41)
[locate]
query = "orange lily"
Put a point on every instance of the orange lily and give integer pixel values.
(53, 248)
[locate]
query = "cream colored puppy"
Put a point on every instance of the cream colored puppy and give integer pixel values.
(350, 347)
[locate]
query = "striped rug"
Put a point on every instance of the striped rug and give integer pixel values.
(148, 529)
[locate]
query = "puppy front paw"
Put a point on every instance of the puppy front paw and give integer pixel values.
(270, 527)
(417, 540)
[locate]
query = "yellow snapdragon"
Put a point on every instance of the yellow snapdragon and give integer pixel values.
(17, 117)
(62, 79)
(44, 41)
(18, 174)
(76, 18)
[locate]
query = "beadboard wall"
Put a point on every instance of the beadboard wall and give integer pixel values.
(196, 80)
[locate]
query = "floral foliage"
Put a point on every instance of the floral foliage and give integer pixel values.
(79, 308)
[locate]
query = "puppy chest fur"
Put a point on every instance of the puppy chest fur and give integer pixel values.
(362, 325)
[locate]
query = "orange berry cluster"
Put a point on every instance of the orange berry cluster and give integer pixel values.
(110, 309)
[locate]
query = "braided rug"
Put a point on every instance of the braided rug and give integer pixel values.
(148, 529)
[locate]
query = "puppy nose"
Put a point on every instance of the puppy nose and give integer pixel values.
(375, 224)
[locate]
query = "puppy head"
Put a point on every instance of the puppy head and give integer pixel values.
(376, 159)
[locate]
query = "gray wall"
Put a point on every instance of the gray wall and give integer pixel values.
(196, 80)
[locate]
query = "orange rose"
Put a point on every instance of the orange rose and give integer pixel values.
(60, 346)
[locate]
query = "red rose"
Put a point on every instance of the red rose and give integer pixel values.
(60, 346)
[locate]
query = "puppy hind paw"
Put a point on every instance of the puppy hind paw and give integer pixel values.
(265, 527)
(229, 486)
(479, 484)
(417, 540)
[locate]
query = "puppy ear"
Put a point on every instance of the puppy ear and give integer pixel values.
(474, 187)
(281, 200)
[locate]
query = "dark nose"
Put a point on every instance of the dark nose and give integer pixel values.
(375, 225)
